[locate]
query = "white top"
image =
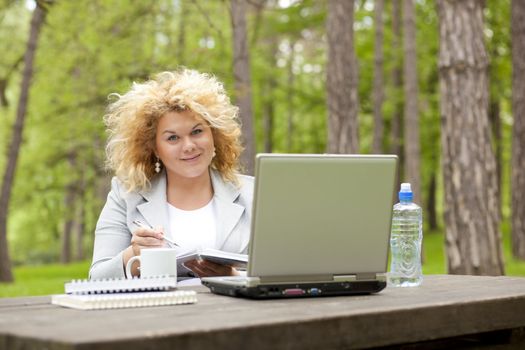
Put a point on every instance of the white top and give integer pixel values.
(193, 229)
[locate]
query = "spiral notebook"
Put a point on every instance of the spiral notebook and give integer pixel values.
(124, 300)
(117, 285)
(123, 293)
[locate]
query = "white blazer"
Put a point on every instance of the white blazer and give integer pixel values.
(115, 224)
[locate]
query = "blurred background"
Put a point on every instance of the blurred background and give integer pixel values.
(281, 61)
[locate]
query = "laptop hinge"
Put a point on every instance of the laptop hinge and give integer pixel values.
(295, 279)
(361, 277)
(345, 278)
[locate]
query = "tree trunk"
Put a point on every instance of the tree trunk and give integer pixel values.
(36, 23)
(4, 81)
(3, 97)
(412, 144)
(518, 134)
(377, 144)
(342, 94)
(495, 122)
(69, 201)
(241, 72)
(473, 238)
(181, 37)
(80, 223)
(396, 132)
(268, 116)
(289, 97)
(431, 214)
(69, 213)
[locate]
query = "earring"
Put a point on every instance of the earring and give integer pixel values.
(157, 165)
(214, 153)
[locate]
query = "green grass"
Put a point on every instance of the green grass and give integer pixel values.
(435, 260)
(50, 279)
(43, 279)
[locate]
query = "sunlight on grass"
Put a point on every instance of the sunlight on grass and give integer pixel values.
(435, 259)
(44, 279)
(433, 251)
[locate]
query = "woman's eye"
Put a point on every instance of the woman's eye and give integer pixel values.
(173, 138)
(196, 131)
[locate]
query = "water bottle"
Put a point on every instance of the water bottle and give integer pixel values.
(405, 241)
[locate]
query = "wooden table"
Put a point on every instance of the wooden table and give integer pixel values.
(451, 311)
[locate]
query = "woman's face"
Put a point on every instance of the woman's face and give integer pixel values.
(184, 144)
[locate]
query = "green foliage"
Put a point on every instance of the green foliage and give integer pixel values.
(43, 280)
(90, 49)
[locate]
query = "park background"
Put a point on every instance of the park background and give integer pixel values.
(280, 61)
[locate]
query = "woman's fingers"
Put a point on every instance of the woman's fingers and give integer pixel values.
(146, 232)
(204, 268)
(146, 238)
(147, 241)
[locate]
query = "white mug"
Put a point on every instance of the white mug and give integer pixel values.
(155, 262)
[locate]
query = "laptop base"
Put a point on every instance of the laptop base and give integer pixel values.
(274, 291)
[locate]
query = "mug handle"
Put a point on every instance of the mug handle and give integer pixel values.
(128, 266)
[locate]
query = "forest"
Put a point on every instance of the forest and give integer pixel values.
(439, 83)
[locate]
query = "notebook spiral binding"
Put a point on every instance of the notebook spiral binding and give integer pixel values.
(120, 285)
(124, 300)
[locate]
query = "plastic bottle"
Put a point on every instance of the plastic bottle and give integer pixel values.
(405, 241)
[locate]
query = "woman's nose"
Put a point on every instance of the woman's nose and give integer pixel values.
(189, 145)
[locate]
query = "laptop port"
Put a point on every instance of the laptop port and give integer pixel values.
(293, 291)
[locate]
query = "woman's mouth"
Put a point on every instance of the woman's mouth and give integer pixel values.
(191, 158)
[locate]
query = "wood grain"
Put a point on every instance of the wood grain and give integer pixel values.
(443, 307)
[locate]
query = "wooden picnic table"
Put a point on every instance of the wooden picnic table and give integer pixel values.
(446, 311)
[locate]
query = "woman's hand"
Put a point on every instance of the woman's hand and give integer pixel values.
(144, 238)
(204, 268)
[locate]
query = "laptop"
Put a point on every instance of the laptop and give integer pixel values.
(320, 227)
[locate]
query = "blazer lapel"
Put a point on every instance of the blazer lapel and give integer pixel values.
(155, 209)
(228, 212)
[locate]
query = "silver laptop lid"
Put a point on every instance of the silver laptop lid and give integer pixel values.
(321, 214)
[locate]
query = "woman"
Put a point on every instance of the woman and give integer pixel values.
(174, 146)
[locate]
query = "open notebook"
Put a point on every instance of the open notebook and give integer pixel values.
(217, 256)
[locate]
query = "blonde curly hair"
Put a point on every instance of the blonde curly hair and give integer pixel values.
(132, 121)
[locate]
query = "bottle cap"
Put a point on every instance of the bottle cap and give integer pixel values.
(405, 193)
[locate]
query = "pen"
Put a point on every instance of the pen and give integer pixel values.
(143, 225)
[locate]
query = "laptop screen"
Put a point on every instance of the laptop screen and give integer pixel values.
(321, 214)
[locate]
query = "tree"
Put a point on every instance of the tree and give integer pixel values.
(36, 23)
(290, 94)
(412, 142)
(69, 203)
(342, 94)
(377, 144)
(497, 18)
(241, 72)
(396, 129)
(518, 135)
(469, 166)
